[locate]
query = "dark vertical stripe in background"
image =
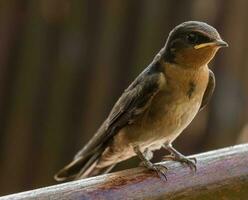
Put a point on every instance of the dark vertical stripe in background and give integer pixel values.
(64, 63)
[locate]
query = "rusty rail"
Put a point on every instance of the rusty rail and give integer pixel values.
(221, 174)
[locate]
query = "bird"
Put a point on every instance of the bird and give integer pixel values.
(156, 107)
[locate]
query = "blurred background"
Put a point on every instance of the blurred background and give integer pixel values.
(63, 64)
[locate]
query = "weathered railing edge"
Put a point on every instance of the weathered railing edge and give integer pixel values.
(215, 169)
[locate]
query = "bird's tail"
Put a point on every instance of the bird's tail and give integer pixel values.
(94, 171)
(78, 167)
(82, 167)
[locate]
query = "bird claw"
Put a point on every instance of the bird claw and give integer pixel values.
(193, 159)
(160, 170)
(190, 162)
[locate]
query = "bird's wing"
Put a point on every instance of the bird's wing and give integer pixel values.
(133, 102)
(209, 90)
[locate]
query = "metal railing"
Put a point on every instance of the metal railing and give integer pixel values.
(221, 174)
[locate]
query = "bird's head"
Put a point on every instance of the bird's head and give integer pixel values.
(193, 44)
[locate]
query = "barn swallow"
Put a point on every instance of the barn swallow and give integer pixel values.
(158, 105)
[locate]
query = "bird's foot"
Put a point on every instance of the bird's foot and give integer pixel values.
(190, 162)
(158, 168)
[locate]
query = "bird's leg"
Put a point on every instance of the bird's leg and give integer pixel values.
(177, 156)
(160, 169)
(148, 154)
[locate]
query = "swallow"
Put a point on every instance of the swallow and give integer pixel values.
(155, 109)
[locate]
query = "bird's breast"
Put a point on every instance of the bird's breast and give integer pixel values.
(173, 108)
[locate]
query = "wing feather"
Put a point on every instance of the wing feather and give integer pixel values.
(209, 90)
(133, 102)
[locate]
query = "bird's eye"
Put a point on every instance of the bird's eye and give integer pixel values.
(192, 38)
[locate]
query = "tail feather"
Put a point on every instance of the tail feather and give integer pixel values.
(94, 171)
(82, 167)
(85, 162)
(70, 171)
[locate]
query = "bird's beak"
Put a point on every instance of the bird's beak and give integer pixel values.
(216, 43)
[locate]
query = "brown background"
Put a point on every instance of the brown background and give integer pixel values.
(63, 63)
